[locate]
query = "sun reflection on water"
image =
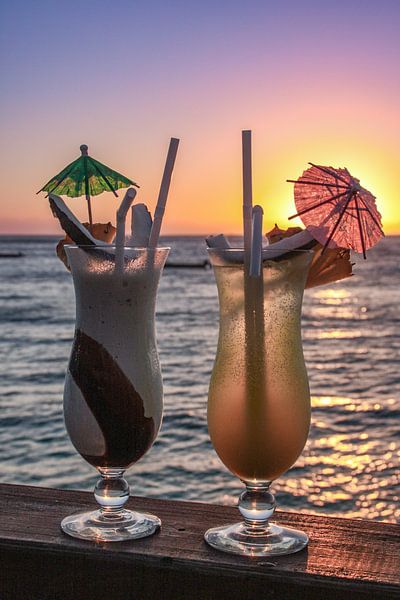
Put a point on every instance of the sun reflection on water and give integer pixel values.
(337, 334)
(347, 466)
(352, 467)
(333, 293)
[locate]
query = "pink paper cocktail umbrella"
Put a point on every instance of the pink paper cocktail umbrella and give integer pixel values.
(336, 210)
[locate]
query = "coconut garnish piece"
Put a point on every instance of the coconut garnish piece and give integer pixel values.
(71, 225)
(140, 226)
(104, 232)
(74, 228)
(333, 265)
(296, 241)
(293, 238)
(277, 234)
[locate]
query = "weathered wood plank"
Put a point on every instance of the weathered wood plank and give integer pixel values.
(345, 559)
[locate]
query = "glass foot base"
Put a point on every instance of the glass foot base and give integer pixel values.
(99, 526)
(242, 539)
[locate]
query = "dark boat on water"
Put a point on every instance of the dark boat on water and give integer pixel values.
(11, 254)
(204, 264)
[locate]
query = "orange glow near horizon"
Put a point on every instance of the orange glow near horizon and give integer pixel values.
(209, 201)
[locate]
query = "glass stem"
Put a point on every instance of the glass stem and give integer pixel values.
(257, 505)
(111, 491)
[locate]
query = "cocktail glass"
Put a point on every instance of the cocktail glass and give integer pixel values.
(113, 396)
(259, 400)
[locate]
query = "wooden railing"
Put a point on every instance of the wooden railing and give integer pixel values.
(346, 559)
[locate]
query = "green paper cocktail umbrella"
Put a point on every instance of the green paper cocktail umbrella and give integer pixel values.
(86, 177)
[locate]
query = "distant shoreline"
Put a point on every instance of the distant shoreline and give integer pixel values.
(52, 236)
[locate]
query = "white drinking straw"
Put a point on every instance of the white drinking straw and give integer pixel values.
(163, 194)
(254, 355)
(120, 236)
(256, 242)
(247, 196)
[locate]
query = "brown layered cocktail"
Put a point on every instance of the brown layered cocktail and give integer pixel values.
(113, 396)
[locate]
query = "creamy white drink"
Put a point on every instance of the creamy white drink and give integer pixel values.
(113, 395)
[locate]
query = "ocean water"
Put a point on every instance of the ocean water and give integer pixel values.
(350, 464)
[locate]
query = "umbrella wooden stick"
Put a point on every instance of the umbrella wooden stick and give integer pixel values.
(360, 226)
(89, 206)
(163, 194)
(84, 150)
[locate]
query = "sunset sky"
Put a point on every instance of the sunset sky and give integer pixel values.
(315, 81)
